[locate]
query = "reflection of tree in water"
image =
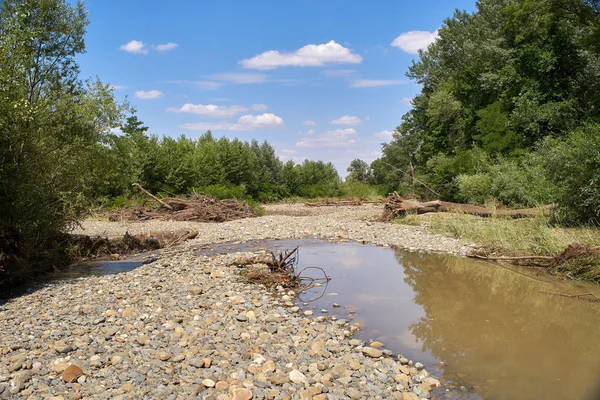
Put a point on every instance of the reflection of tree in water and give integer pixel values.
(496, 327)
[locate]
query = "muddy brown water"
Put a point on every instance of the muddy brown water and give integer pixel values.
(488, 331)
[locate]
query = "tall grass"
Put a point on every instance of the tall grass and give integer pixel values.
(526, 236)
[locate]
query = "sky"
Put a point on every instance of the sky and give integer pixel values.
(319, 80)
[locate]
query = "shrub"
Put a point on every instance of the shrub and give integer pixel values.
(516, 183)
(221, 192)
(573, 164)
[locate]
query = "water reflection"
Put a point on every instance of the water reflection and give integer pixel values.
(496, 329)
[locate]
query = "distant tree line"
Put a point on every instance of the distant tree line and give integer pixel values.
(221, 167)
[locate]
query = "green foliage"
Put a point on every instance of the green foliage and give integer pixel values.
(499, 81)
(359, 171)
(52, 125)
(221, 192)
(573, 164)
(359, 189)
(510, 182)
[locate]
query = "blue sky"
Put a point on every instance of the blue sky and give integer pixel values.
(317, 79)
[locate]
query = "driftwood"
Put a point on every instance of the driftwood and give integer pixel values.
(572, 252)
(196, 208)
(152, 196)
(396, 206)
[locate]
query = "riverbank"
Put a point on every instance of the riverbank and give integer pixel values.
(187, 326)
(518, 237)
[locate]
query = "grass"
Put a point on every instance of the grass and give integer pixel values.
(516, 237)
(526, 236)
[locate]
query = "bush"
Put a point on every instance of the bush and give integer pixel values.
(513, 183)
(358, 189)
(573, 165)
(221, 192)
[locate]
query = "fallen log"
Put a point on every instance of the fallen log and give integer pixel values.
(396, 206)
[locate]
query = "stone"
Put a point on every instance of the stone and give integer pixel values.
(71, 373)
(419, 366)
(241, 318)
(297, 377)
(376, 344)
(241, 394)
(209, 383)
(163, 355)
(371, 352)
(196, 290)
(409, 396)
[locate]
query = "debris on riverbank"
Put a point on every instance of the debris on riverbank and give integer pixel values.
(197, 208)
(84, 247)
(396, 206)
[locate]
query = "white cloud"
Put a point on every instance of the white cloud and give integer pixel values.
(363, 83)
(244, 123)
(310, 132)
(413, 41)
(207, 85)
(385, 135)
(259, 107)
(135, 47)
(118, 87)
(309, 122)
(311, 55)
(368, 118)
(346, 120)
(240, 77)
(166, 46)
(149, 95)
(338, 72)
(210, 110)
(336, 138)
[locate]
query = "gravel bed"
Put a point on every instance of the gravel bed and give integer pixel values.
(186, 326)
(356, 223)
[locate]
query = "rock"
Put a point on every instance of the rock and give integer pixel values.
(163, 355)
(376, 345)
(71, 373)
(241, 318)
(409, 396)
(308, 313)
(297, 377)
(336, 305)
(371, 352)
(196, 290)
(241, 394)
(209, 383)
(419, 366)
(403, 360)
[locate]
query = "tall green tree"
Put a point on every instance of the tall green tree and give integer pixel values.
(50, 120)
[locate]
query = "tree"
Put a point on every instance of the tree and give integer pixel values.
(359, 171)
(50, 122)
(500, 79)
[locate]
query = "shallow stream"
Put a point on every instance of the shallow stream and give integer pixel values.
(489, 331)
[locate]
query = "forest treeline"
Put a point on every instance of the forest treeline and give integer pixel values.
(223, 168)
(509, 110)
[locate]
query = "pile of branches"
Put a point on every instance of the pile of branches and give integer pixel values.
(83, 247)
(281, 270)
(395, 206)
(198, 208)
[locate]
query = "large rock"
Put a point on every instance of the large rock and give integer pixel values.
(371, 352)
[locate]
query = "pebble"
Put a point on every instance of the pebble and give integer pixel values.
(184, 325)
